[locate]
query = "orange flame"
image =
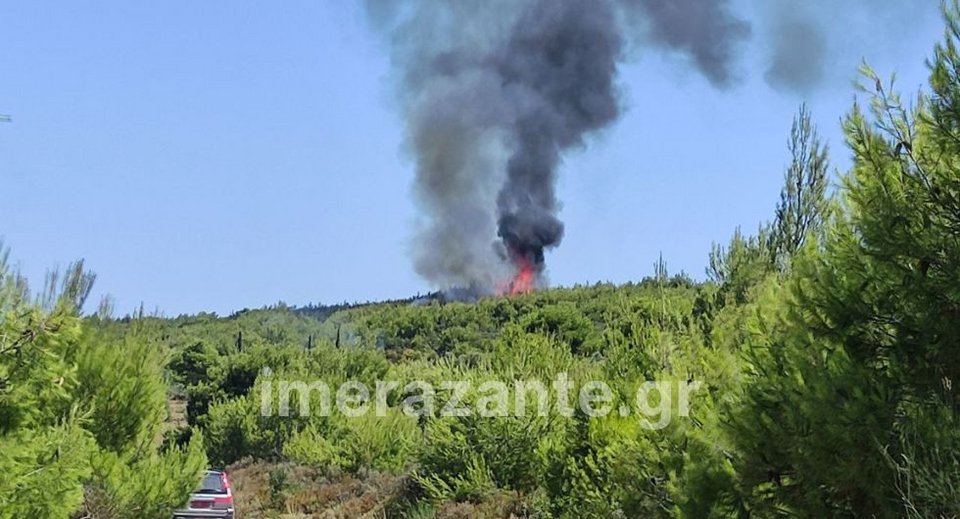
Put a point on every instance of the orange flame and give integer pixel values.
(523, 280)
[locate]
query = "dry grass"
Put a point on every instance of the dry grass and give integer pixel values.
(302, 492)
(504, 505)
(298, 492)
(176, 413)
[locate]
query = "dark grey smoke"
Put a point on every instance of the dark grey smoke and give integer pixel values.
(797, 43)
(559, 64)
(811, 43)
(798, 53)
(706, 31)
(495, 91)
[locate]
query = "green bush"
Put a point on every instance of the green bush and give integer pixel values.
(82, 412)
(44, 470)
(128, 486)
(355, 444)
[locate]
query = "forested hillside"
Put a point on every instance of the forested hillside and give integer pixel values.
(819, 358)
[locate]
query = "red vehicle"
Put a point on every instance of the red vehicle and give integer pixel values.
(214, 499)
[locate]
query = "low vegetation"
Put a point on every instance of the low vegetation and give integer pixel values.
(826, 347)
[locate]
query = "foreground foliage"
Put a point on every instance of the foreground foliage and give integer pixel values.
(826, 347)
(81, 417)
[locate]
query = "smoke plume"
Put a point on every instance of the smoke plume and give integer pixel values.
(797, 54)
(813, 42)
(494, 92)
(705, 31)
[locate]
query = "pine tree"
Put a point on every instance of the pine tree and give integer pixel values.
(81, 415)
(803, 199)
(851, 407)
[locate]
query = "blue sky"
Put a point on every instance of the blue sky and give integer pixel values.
(218, 155)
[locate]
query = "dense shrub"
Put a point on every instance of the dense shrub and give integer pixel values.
(83, 413)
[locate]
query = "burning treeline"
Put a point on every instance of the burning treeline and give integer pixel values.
(495, 91)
